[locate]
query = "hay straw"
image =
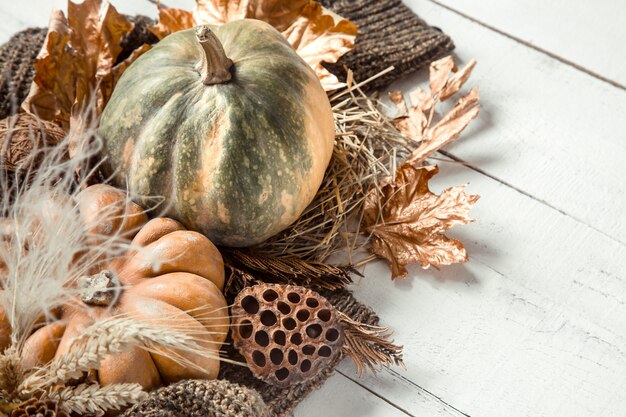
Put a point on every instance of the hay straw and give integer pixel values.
(367, 146)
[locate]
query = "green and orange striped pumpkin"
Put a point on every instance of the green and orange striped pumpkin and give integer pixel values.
(228, 124)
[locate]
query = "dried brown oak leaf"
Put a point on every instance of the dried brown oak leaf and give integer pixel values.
(406, 221)
(317, 34)
(77, 64)
(416, 122)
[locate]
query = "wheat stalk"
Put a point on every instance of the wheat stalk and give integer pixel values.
(86, 399)
(109, 337)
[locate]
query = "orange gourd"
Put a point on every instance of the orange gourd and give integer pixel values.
(169, 274)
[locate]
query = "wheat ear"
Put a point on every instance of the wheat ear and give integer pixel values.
(107, 337)
(88, 399)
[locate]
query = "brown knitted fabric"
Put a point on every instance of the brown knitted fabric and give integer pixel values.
(16, 68)
(196, 398)
(389, 34)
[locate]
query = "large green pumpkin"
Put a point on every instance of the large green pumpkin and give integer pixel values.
(229, 125)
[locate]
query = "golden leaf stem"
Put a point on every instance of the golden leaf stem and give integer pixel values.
(215, 65)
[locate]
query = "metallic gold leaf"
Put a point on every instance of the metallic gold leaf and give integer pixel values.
(410, 123)
(420, 99)
(77, 62)
(448, 128)
(172, 20)
(317, 34)
(439, 71)
(416, 122)
(407, 221)
(454, 83)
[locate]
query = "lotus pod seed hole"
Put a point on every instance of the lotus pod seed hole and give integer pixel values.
(270, 295)
(245, 329)
(312, 302)
(250, 304)
(268, 318)
(332, 335)
(305, 366)
(276, 356)
(292, 357)
(324, 315)
(289, 323)
(314, 331)
(296, 339)
(280, 337)
(282, 374)
(283, 307)
(261, 338)
(303, 315)
(258, 358)
(293, 297)
(324, 351)
(308, 350)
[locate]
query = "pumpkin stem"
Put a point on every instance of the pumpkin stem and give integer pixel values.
(101, 289)
(215, 65)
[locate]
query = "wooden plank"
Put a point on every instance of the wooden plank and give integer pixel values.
(340, 397)
(534, 324)
(546, 129)
(588, 34)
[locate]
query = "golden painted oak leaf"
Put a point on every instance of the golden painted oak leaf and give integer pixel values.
(77, 64)
(406, 221)
(317, 34)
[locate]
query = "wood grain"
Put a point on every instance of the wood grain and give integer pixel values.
(534, 324)
(587, 34)
(546, 129)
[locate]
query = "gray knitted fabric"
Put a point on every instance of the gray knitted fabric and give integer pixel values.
(197, 398)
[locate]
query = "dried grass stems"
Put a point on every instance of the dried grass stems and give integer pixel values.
(247, 268)
(367, 148)
(369, 346)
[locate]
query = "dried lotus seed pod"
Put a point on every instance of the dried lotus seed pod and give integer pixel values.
(286, 333)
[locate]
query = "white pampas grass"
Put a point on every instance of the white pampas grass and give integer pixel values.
(43, 236)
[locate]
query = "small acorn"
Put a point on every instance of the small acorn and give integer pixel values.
(286, 333)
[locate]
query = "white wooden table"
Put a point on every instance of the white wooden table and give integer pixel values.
(535, 323)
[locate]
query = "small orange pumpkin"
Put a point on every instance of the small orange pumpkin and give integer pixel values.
(170, 274)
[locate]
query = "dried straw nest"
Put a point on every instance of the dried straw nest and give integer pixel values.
(367, 147)
(23, 139)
